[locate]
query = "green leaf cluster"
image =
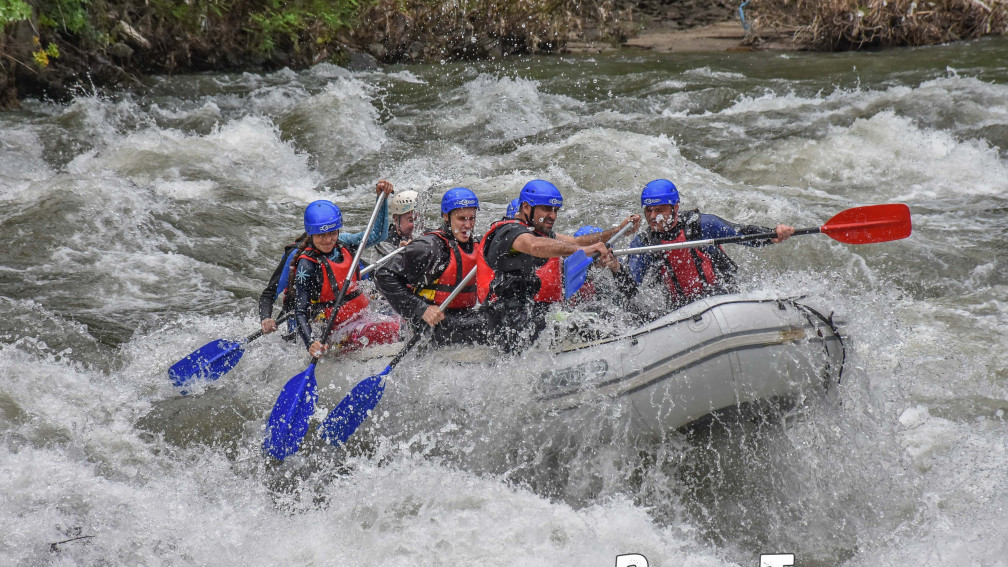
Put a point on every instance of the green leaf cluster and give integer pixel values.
(294, 22)
(65, 15)
(13, 11)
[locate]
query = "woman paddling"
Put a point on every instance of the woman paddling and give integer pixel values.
(282, 272)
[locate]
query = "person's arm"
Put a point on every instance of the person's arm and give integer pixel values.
(713, 226)
(638, 264)
(269, 295)
(420, 263)
(307, 284)
(545, 247)
(378, 233)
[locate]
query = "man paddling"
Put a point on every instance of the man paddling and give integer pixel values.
(419, 279)
(524, 254)
(691, 273)
(619, 290)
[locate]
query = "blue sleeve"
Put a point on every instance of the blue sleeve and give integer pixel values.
(379, 232)
(713, 226)
(638, 264)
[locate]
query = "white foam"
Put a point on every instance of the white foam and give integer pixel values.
(339, 124)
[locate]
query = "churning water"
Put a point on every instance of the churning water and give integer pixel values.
(137, 228)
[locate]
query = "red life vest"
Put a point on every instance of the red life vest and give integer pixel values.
(551, 282)
(687, 272)
(484, 273)
(550, 274)
(459, 264)
(333, 276)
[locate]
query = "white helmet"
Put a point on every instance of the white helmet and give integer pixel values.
(403, 203)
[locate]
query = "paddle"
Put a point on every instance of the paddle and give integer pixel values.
(353, 409)
(288, 421)
(858, 225)
(575, 266)
(216, 358)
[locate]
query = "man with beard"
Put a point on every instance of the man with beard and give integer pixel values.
(525, 255)
(687, 274)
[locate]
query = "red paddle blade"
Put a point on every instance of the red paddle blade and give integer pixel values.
(873, 223)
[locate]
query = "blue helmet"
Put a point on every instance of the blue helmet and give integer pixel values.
(512, 210)
(659, 192)
(458, 198)
(322, 216)
(538, 192)
(587, 229)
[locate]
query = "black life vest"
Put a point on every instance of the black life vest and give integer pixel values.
(540, 279)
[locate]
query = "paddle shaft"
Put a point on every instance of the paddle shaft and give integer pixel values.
(346, 282)
(619, 234)
(444, 305)
(381, 261)
(857, 225)
(709, 242)
(615, 237)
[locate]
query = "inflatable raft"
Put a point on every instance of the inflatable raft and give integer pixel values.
(716, 353)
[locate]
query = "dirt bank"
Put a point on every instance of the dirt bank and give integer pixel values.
(682, 26)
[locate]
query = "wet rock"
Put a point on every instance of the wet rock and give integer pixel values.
(361, 61)
(119, 51)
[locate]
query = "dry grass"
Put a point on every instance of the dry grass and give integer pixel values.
(850, 24)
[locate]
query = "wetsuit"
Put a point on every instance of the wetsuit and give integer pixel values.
(692, 273)
(316, 283)
(515, 308)
(424, 274)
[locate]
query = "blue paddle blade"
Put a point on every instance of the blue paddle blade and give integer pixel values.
(352, 410)
(210, 362)
(288, 422)
(575, 272)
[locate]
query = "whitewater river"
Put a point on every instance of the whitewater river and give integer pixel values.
(136, 228)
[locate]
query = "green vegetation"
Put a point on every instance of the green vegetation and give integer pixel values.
(13, 11)
(48, 44)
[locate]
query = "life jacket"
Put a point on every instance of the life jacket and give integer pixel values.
(546, 275)
(550, 282)
(692, 273)
(333, 275)
(687, 272)
(459, 264)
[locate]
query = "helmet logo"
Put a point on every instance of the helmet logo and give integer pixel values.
(328, 227)
(555, 202)
(465, 202)
(652, 201)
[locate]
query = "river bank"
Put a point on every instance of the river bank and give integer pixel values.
(52, 52)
